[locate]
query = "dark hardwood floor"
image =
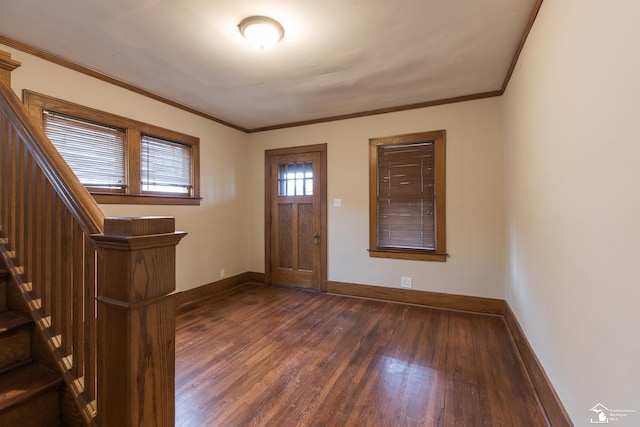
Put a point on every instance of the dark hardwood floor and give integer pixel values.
(274, 356)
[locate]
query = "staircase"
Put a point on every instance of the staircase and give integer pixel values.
(87, 315)
(29, 393)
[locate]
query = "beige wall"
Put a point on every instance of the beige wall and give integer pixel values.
(217, 229)
(474, 197)
(224, 234)
(572, 132)
(226, 231)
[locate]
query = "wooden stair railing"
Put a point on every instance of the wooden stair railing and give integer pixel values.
(99, 289)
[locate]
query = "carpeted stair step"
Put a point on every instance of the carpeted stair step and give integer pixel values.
(4, 280)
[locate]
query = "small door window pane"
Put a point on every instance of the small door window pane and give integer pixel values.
(295, 179)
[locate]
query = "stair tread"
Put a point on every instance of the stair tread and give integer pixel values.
(24, 383)
(10, 321)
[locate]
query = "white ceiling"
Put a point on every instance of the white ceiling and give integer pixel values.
(337, 57)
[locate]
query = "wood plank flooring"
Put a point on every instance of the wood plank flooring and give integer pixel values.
(275, 356)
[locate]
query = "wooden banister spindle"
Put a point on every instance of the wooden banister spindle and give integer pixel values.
(20, 203)
(55, 273)
(47, 248)
(4, 124)
(66, 282)
(89, 325)
(11, 196)
(38, 259)
(136, 322)
(31, 221)
(78, 300)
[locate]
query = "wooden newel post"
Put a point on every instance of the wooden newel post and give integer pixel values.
(7, 65)
(136, 322)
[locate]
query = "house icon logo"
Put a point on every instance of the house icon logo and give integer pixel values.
(600, 414)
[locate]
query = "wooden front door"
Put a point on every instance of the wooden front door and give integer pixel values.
(296, 236)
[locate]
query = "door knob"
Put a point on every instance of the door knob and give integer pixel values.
(316, 238)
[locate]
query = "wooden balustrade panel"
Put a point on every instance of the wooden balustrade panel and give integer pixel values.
(56, 258)
(46, 219)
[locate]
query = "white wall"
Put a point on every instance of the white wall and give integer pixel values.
(217, 228)
(572, 139)
(475, 232)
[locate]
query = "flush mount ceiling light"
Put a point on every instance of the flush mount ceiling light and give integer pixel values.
(262, 31)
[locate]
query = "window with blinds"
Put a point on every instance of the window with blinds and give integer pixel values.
(166, 166)
(94, 152)
(407, 196)
(121, 160)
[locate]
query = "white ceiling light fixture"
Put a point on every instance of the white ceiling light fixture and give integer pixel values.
(262, 31)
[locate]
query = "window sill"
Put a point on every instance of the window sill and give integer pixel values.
(144, 199)
(411, 255)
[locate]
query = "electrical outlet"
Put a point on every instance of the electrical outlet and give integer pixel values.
(337, 203)
(406, 282)
(222, 273)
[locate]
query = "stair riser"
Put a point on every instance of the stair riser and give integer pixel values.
(41, 411)
(15, 348)
(3, 293)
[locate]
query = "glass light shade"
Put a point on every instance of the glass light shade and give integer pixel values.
(262, 31)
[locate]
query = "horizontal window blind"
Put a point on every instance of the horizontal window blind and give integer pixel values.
(166, 166)
(94, 152)
(406, 196)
